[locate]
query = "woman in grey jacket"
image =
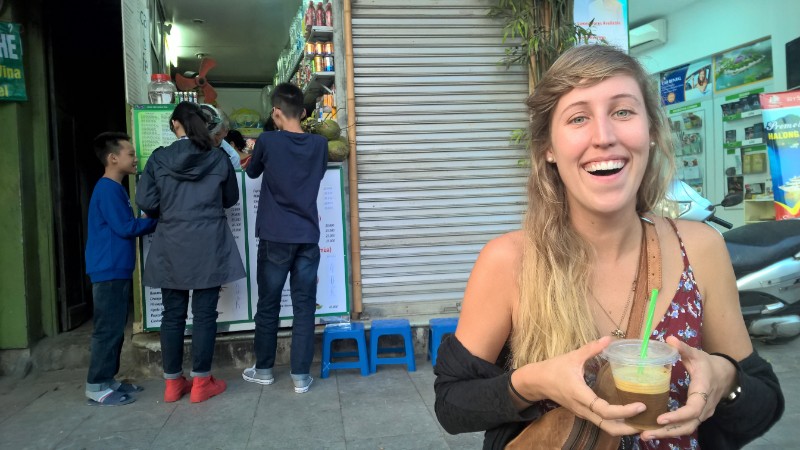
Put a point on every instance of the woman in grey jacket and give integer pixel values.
(187, 186)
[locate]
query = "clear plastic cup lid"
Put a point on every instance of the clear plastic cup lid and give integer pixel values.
(627, 351)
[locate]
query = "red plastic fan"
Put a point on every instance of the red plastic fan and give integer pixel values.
(199, 81)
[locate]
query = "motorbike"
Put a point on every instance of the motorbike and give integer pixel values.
(766, 262)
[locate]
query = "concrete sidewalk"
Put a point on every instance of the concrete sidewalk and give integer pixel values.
(392, 409)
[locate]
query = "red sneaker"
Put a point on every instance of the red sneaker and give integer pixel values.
(203, 388)
(177, 388)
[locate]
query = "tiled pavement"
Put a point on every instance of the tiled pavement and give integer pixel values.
(392, 409)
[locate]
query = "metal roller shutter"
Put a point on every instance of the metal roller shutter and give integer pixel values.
(438, 176)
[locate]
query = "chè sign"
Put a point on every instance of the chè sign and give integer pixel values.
(12, 77)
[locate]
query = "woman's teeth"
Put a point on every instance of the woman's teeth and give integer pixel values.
(604, 167)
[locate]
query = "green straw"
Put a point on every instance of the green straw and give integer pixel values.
(650, 311)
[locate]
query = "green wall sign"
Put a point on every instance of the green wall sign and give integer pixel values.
(12, 77)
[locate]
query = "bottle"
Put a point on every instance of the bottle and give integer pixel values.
(319, 17)
(333, 103)
(161, 91)
(328, 14)
(310, 15)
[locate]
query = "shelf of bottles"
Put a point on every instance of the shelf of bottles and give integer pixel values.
(290, 57)
(318, 50)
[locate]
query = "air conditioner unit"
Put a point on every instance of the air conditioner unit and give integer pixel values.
(648, 36)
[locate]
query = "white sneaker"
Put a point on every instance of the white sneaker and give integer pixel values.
(252, 376)
(301, 385)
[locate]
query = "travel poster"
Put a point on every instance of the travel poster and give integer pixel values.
(671, 85)
(697, 82)
(686, 83)
(744, 65)
(781, 114)
(610, 20)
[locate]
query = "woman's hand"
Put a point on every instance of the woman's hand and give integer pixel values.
(561, 380)
(711, 378)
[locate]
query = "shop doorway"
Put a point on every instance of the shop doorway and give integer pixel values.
(86, 97)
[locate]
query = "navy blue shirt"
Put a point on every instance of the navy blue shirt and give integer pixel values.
(292, 165)
(111, 246)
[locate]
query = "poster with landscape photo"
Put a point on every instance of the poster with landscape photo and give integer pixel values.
(743, 65)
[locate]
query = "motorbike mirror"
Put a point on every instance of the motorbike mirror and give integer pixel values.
(732, 199)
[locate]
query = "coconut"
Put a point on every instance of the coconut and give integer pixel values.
(329, 129)
(338, 149)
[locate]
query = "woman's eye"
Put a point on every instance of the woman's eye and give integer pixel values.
(623, 113)
(578, 120)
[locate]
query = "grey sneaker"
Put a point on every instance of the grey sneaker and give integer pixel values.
(302, 383)
(260, 376)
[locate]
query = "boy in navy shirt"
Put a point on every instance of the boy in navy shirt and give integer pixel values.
(287, 225)
(110, 259)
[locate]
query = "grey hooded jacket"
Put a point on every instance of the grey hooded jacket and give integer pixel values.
(188, 189)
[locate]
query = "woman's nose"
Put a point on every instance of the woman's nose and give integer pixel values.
(604, 134)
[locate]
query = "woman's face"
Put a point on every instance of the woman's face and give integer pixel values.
(600, 142)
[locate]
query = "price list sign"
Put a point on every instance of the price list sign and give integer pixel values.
(233, 306)
(332, 286)
(332, 273)
(151, 130)
(238, 300)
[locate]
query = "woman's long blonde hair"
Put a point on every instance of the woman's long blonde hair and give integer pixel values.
(553, 316)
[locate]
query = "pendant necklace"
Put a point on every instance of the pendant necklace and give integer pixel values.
(618, 333)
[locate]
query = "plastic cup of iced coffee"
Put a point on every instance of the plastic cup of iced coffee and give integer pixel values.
(644, 380)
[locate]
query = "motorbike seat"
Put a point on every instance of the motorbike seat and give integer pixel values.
(755, 246)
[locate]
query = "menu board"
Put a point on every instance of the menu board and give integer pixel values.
(233, 306)
(331, 274)
(238, 300)
(151, 130)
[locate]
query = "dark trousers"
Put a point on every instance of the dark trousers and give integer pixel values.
(275, 261)
(110, 316)
(204, 329)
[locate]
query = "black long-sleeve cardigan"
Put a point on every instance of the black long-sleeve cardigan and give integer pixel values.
(472, 395)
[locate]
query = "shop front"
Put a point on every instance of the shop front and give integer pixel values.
(429, 113)
(306, 60)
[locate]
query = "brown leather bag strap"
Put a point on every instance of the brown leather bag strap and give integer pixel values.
(649, 278)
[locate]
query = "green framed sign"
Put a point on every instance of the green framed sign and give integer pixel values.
(238, 300)
(151, 130)
(12, 75)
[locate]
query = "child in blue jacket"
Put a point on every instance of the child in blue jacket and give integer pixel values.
(110, 259)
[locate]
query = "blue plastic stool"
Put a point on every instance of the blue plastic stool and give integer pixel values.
(389, 327)
(438, 329)
(336, 331)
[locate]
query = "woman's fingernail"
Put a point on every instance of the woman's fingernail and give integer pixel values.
(640, 408)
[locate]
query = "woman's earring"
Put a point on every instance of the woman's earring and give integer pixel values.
(550, 159)
(652, 143)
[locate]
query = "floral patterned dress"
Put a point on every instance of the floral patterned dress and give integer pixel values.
(684, 320)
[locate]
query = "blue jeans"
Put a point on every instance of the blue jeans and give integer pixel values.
(204, 329)
(275, 261)
(111, 300)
